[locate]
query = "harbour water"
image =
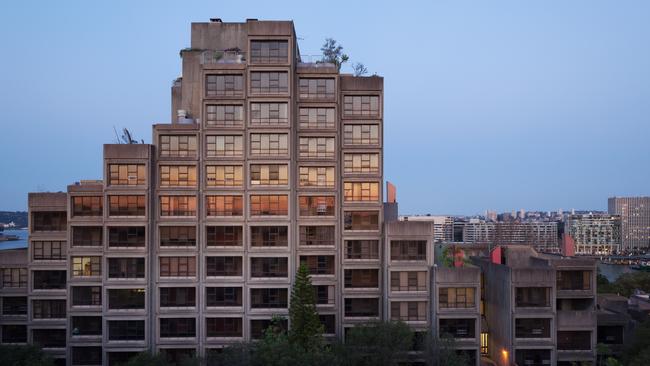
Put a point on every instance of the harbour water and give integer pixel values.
(20, 243)
(613, 271)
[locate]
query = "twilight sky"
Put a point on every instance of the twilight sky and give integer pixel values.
(496, 105)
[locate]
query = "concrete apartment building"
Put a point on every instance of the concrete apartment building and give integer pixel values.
(540, 309)
(635, 221)
(594, 234)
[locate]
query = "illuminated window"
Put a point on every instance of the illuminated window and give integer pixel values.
(178, 176)
(87, 206)
(177, 206)
(361, 191)
(224, 205)
(316, 176)
(224, 175)
(361, 134)
(126, 174)
(126, 205)
(317, 147)
(178, 146)
(269, 144)
(361, 163)
(316, 205)
(269, 174)
(269, 205)
(86, 266)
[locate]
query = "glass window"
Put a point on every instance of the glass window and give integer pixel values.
(361, 249)
(269, 82)
(272, 267)
(533, 328)
(269, 236)
(316, 205)
(126, 299)
(86, 355)
(87, 206)
(177, 206)
(178, 176)
(361, 191)
(533, 296)
(361, 220)
(361, 105)
(225, 236)
(14, 277)
(224, 205)
(318, 264)
(177, 296)
(269, 205)
(126, 268)
(49, 280)
(224, 115)
(362, 307)
(177, 236)
(361, 134)
(408, 250)
(178, 146)
(223, 327)
(126, 205)
(317, 118)
(361, 163)
(456, 297)
(86, 326)
(225, 145)
(126, 174)
(49, 221)
(224, 175)
(317, 88)
(269, 144)
(126, 330)
(317, 147)
(49, 250)
(408, 310)
(269, 52)
(224, 266)
(14, 333)
(223, 296)
(458, 328)
(14, 305)
(411, 281)
(87, 236)
(224, 85)
(316, 176)
(86, 295)
(361, 278)
(48, 309)
(86, 266)
(269, 174)
(269, 114)
(269, 298)
(317, 235)
(126, 236)
(177, 327)
(177, 266)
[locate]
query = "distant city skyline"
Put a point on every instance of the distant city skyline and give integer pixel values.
(498, 106)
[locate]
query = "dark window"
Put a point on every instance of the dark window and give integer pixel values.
(14, 277)
(178, 356)
(362, 307)
(87, 236)
(269, 52)
(14, 333)
(86, 295)
(126, 174)
(574, 280)
(49, 280)
(361, 278)
(177, 327)
(408, 310)
(86, 326)
(123, 299)
(361, 249)
(14, 305)
(329, 323)
(361, 220)
(457, 297)
(269, 236)
(126, 330)
(608, 334)
(259, 326)
(50, 221)
(49, 250)
(530, 297)
(86, 355)
(408, 250)
(48, 309)
(223, 296)
(126, 236)
(224, 266)
(87, 206)
(224, 205)
(324, 294)
(49, 338)
(225, 236)
(177, 266)
(224, 85)
(126, 205)
(532, 328)
(269, 82)
(125, 267)
(269, 298)
(223, 327)
(533, 357)
(269, 267)
(574, 340)
(178, 236)
(316, 205)
(177, 206)
(177, 296)
(317, 235)
(319, 264)
(458, 328)
(120, 358)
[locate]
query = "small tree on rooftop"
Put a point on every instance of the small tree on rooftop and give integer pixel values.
(333, 53)
(306, 330)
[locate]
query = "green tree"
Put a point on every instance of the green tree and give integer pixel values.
(642, 358)
(147, 359)
(377, 343)
(306, 330)
(29, 355)
(442, 351)
(638, 344)
(333, 53)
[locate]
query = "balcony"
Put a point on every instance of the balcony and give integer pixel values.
(575, 318)
(228, 56)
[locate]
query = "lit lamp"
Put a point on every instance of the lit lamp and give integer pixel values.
(504, 353)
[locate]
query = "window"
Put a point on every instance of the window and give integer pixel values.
(361, 105)
(408, 250)
(224, 236)
(573, 280)
(224, 145)
(224, 115)
(127, 205)
(269, 52)
(126, 236)
(316, 205)
(87, 206)
(317, 118)
(458, 328)
(361, 134)
(126, 330)
(269, 267)
(125, 267)
(177, 297)
(224, 175)
(87, 236)
(86, 326)
(317, 147)
(318, 264)
(15, 305)
(224, 85)
(126, 299)
(269, 174)
(177, 266)
(177, 206)
(574, 340)
(14, 334)
(48, 309)
(269, 114)
(269, 82)
(324, 294)
(86, 266)
(126, 174)
(223, 266)
(48, 280)
(177, 236)
(87, 355)
(269, 205)
(223, 327)
(408, 310)
(224, 205)
(317, 235)
(269, 236)
(361, 220)
(49, 221)
(312, 88)
(361, 163)
(86, 295)
(329, 323)
(269, 298)
(223, 296)
(456, 297)
(532, 328)
(49, 338)
(361, 249)
(362, 307)
(49, 250)
(361, 191)
(361, 278)
(533, 357)
(177, 327)
(269, 144)
(533, 297)
(178, 176)
(178, 146)
(259, 326)
(316, 176)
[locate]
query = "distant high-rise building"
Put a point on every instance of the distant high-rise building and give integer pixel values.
(635, 221)
(594, 234)
(542, 235)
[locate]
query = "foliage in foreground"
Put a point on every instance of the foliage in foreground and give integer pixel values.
(625, 284)
(29, 355)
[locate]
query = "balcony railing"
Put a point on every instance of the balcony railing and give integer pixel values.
(223, 57)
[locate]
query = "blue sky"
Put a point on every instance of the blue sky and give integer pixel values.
(496, 105)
